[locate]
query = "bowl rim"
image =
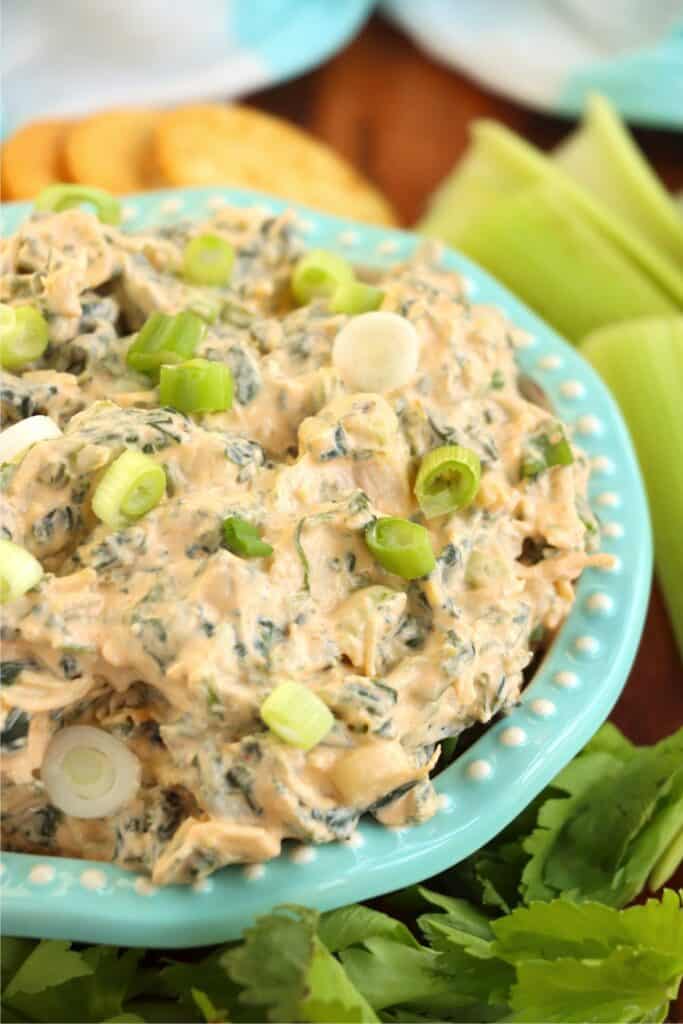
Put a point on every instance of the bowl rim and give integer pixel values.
(570, 695)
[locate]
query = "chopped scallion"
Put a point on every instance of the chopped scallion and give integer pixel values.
(354, 297)
(165, 339)
(297, 715)
(448, 479)
(318, 274)
(131, 486)
(545, 451)
(23, 336)
(198, 385)
(401, 547)
(208, 259)
(57, 198)
(243, 538)
(19, 571)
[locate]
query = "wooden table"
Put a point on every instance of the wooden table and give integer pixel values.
(403, 120)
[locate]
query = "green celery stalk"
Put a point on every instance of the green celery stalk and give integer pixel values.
(498, 165)
(642, 363)
(602, 157)
(561, 263)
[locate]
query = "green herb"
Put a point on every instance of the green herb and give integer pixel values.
(196, 386)
(319, 274)
(305, 565)
(23, 335)
(596, 831)
(284, 966)
(164, 339)
(208, 259)
(545, 450)
(244, 539)
(448, 479)
(59, 197)
(617, 814)
(400, 547)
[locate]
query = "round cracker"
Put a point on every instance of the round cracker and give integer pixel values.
(112, 150)
(210, 144)
(32, 158)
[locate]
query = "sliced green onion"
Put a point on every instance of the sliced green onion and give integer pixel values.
(642, 363)
(198, 385)
(558, 450)
(131, 486)
(376, 352)
(208, 259)
(242, 538)
(57, 198)
(354, 297)
(297, 715)
(401, 547)
(319, 273)
(547, 450)
(448, 479)
(8, 318)
(19, 571)
(23, 336)
(88, 773)
(17, 439)
(165, 339)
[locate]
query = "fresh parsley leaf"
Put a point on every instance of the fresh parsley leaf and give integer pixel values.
(55, 983)
(13, 952)
(391, 973)
(272, 963)
(284, 966)
(209, 1012)
(590, 962)
(51, 963)
(609, 740)
(550, 931)
(207, 975)
(125, 1018)
(331, 993)
(627, 986)
(467, 920)
(498, 874)
(620, 814)
(350, 926)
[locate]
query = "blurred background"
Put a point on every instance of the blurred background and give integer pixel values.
(397, 84)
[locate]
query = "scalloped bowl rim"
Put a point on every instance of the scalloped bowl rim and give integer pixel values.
(569, 697)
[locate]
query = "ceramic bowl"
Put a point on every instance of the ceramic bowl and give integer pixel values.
(481, 791)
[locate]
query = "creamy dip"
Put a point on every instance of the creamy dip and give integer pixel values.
(159, 635)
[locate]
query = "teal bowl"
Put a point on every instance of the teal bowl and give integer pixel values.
(569, 697)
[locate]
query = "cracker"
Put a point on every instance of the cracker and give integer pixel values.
(32, 158)
(211, 144)
(112, 150)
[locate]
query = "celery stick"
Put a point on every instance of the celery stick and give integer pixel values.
(493, 167)
(642, 362)
(497, 166)
(602, 157)
(561, 263)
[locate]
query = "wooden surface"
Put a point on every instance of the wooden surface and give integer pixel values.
(403, 119)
